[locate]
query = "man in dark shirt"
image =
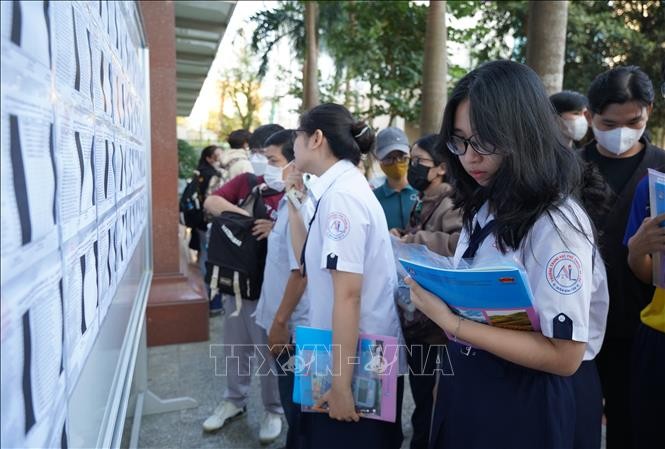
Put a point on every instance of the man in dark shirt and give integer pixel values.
(620, 102)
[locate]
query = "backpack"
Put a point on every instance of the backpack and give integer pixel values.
(190, 204)
(236, 259)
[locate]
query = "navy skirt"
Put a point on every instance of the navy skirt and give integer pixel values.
(484, 401)
(647, 403)
(321, 432)
(588, 406)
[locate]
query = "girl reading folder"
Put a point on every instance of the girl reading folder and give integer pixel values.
(517, 185)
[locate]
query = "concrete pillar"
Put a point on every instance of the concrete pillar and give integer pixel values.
(177, 306)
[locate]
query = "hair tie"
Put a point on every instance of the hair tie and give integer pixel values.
(363, 131)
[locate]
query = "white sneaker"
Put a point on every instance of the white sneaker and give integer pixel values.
(271, 427)
(224, 412)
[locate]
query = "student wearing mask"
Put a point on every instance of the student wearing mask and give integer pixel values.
(281, 306)
(435, 223)
(257, 157)
(345, 255)
(242, 332)
(620, 102)
(596, 195)
(396, 196)
(516, 183)
(571, 107)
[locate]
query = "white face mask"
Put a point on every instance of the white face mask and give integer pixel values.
(273, 177)
(259, 163)
(577, 128)
(618, 140)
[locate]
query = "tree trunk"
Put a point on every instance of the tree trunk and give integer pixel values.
(546, 41)
(434, 69)
(310, 73)
(347, 88)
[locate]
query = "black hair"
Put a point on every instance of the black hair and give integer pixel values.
(348, 139)
(509, 108)
(568, 101)
(428, 145)
(238, 138)
(596, 194)
(283, 139)
(262, 133)
(620, 85)
(205, 154)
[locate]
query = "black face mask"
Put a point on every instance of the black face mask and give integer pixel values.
(417, 177)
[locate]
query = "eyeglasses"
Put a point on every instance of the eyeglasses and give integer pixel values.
(415, 161)
(458, 146)
(395, 159)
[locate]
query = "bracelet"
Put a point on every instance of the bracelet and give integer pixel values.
(459, 324)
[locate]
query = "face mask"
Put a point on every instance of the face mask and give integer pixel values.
(577, 128)
(618, 140)
(417, 177)
(273, 177)
(259, 163)
(395, 171)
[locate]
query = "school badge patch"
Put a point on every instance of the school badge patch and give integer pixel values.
(564, 273)
(338, 226)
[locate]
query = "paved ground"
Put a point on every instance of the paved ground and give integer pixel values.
(188, 370)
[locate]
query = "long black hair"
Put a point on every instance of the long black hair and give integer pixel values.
(205, 154)
(428, 143)
(510, 109)
(348, 139)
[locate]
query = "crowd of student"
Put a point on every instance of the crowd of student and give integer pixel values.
(513, 173)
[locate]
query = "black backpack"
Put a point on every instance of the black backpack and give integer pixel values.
(190, 203)
(236, 259)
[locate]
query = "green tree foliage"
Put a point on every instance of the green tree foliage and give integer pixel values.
(238, 87)
(379, 43)
(600, 35)
(187, 159)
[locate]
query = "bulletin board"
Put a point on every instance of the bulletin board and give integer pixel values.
(75, 254)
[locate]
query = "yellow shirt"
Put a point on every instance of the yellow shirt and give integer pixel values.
(653, 315)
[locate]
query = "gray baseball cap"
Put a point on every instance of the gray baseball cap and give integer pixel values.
(389, 140)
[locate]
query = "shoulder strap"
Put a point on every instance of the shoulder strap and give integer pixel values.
(253, 202)
(252, 180)
(424, 220)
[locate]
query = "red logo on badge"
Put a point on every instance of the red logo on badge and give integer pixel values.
(338, 225)
(564, 273)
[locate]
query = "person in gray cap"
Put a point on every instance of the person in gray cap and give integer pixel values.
(396, 196)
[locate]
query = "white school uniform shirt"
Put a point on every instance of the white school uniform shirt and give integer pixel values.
(349, 233)
(280, 261)
(565, 272)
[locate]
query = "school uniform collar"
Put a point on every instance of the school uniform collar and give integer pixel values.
(329, 177)
(387, 191)
(483, 216)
